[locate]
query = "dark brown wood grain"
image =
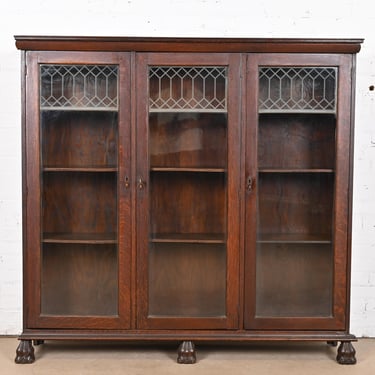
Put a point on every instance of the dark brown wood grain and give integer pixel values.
(196, 140)
(187, 280)
(297, 278)
(298, 193)
(68, 203)
(193, 225)
(188, 203)
(75, 157)
(79, 138)
(296, 141)
(189, 176)
(85, 276)
(56, 43)
(295, 203)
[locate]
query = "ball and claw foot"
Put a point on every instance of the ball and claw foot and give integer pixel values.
(25, 352)
(186, 353)
(346, 354)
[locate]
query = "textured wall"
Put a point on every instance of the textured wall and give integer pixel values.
(344, 18)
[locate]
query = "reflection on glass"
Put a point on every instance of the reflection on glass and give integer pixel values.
(79, 152)
(188, 140)
(295, 192)
(187, 280)
(188, 191)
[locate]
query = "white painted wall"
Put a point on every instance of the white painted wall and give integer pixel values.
(202, 18)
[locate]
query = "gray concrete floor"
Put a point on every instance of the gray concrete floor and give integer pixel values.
(55, 358)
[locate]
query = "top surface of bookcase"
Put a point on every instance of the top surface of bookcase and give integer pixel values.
(150, 44)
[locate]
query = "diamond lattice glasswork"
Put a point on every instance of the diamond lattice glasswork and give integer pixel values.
(297, 89)
(80, 87)
(177, 88)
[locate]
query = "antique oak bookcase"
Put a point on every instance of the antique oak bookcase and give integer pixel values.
(187, 190)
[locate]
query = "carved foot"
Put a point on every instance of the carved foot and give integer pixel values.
(186, 353)
(38, 342)
(25, 352)
(346, 354)
(332, 343)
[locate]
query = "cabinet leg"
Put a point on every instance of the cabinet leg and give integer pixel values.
(332, 343)
(346, 354)
(186, 353)
(25, 352)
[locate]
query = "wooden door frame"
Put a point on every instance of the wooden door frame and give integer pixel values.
(342, 195)
(32, 186)
(233, 61)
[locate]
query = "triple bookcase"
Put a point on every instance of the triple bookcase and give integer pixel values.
(187, 190)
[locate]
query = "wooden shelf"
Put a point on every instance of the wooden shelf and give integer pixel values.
(182, 169)
(295, 170)
(189, 238)
(80, 109)
(80, 169)
(186, 110)
(80, 238)
(294, 238)
(296, 112)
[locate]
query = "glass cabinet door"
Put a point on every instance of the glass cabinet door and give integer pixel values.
(80, 195)
(186, 256)
(297, 196)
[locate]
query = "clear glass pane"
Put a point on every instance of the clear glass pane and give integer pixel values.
(189, 139)
(79, 138)
(68, 203)
(188, 191)
(296, 141)
(79, 279)
(295, 192)
(187, 280)
(294, 280)
(295, 204)
(294, 274)
(79, 200)
(188, 203)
